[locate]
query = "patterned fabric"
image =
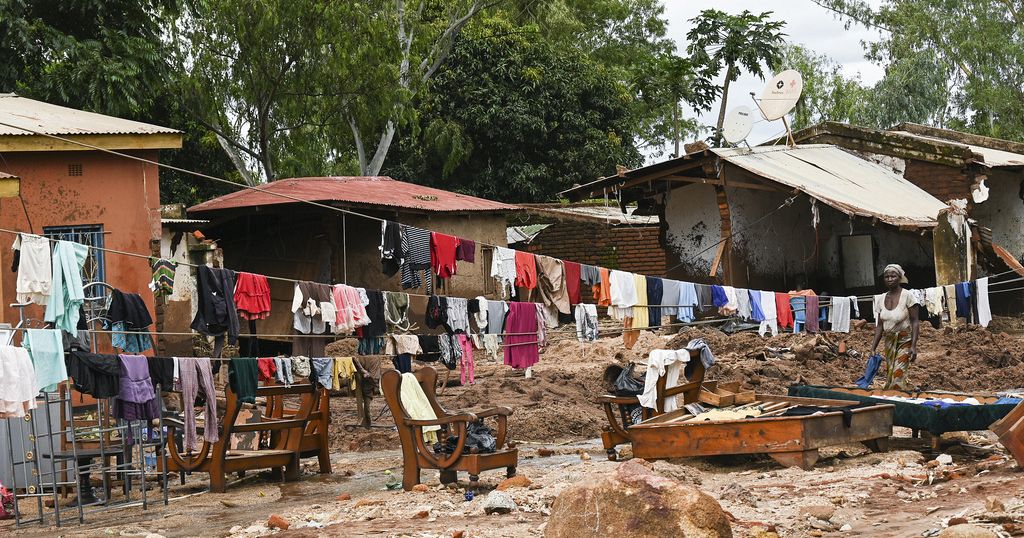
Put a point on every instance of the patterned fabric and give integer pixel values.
(897, 359)
(163, 276)
(416, 245)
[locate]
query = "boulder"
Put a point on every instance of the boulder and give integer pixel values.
(635, 501)
(499, 502)
(967, 531)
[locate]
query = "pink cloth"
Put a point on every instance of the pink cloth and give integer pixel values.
(521, 350)
(350, 310)
(466, 365)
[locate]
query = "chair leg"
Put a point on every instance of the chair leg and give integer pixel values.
(510, 471)
(217, 483)
(410, 475)
(612, 454)
(474, 481)
(449, 477)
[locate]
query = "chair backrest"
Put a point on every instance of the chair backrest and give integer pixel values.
(689, 387)
(391, 387)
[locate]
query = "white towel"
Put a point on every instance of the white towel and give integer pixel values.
(771, 315)
(662, 362)
(839, 314)
(984, 311)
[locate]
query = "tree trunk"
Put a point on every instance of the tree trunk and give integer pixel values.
(721, 111)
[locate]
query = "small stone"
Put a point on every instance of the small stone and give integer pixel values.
(932, 464)
(499, 502)
(944, 459)
(458, 534)
(993, 504)
(545, 452)
(421, 488)
(823, 512)
(277, 522)
(820, 524)
(518, 481)
(344, 497)
(967, 531)
(846, 527)
(585, 456)
(422, 514)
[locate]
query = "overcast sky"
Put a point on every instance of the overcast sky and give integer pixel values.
(806, 24)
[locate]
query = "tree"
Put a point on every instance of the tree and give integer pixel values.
(719, 40)
(518, 119)
(956, 64)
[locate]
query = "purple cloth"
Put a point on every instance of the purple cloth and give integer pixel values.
(136, 399)
(195, 374)
(466, 251)
(811, 314)
(521, 350)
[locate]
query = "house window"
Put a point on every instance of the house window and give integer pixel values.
(92, 235)
(75, 169)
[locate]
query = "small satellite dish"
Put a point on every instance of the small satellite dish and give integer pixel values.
(737, 125)
(781, 94)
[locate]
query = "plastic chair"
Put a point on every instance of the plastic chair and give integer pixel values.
(799, 305)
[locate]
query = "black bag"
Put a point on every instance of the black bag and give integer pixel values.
(627, 384)
(479, 440)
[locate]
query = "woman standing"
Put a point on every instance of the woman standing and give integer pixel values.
(896, 321)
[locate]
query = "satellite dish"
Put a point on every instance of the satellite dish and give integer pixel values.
(781, 94)
(738, 123)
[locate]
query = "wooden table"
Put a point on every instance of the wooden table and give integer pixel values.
(791, 441)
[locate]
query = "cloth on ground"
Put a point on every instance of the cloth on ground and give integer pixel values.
(391, 254)
(252, 296)
(442, 254)
(521, 343)
(984, 310)
(46, 347)
(242, 378)
(35, 267)
(66, 291)
(662, 362)
(586, 322)
(216, 312)
(18, 384)
(415, 402)
(195, 375)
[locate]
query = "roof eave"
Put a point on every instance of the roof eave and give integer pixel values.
(89, 142)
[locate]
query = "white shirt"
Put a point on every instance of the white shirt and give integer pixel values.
(663, 362)
(898, 318)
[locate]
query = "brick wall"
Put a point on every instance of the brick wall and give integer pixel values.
(941, 181)
(629, 248)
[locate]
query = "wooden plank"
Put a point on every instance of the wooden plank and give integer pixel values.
(112, 141)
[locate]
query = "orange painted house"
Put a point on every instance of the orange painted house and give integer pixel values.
(65, 190)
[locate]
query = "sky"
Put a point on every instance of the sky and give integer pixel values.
(806, 24)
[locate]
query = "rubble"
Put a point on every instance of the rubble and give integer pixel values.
(498, 502)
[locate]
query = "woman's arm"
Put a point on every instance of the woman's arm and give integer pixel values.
(878, 334)
(915, 329)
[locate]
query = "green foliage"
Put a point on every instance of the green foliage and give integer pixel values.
(955, 64)
(518, 119)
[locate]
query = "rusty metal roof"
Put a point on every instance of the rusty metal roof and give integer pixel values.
(57, 120)
(356, 190)
(842, 180)
(992, 157)
(5, 175)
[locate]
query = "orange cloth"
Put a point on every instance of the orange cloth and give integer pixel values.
(784, 310)
(526, 270)
(603, 291)
(802, 293)
(629, 335)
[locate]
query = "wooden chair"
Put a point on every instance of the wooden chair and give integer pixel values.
(314, 436)
(217, 459)
(416, 455)
(617, 431)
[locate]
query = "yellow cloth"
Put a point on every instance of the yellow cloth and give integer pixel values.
(951, 303)
(641, 314)
(416, 404)
(344, 369)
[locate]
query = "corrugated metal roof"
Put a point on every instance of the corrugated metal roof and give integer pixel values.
(358, 190)
(58, 120)
(184, 221)
(5, 175)
(611, 213)
(842, 180)
(523, 234)
(993, 157)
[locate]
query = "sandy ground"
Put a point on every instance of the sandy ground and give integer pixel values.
(898, 493)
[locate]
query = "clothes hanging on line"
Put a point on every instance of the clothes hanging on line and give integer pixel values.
(743, 310)
(641, 320)
(457, 314)
(34, 267)
(756, 312)
(350, 310)
(451, 351)
(586, 322)
(252, 296)
(933, 300)
(437, 312)
(521, 345)
(18, 383)
(705, 297)
(371, 345)
(670, 293)
(392, 256)
(554, 293)
(46, 348)
(480, 313)
(466, 362)
(66, 289)
(602, 291)
(216, 314)
(375, 311)
(430, 348)
(283, 370)
(503, 269)
(688, 302)
(416, 246)
(129, 319)
(396, 311)
(94, 374)
(623, 294)
(784, 310)
(572, 281)
(267, 368)
(839, 314)
(951, 303)
(196, 376)
(496, 311)
(466, 251)
(242, 378)
(136, 399)
(164, 270)
(771, 314)
(963, 301)
(442, 254)
(590, 275)
(811, 313)
(526, 270)
(344, 376)
(655, 291)
(984, 310)
(322, 371)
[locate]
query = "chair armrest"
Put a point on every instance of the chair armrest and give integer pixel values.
(494, 411)
(450, 419)
(175, 422)
(619, 400)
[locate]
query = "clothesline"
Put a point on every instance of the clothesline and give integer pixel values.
(236, 185)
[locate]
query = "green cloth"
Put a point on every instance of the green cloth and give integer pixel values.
(66, 292)
(242, 376)
(46, 347)
(919, 417)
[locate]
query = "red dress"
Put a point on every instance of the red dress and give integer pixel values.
(442, 254)
(252, 296)
(572, 281)
(526, 270)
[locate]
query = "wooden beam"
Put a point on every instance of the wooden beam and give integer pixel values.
(718, 259)
(736, 184)
(629, 181)
(112, 141)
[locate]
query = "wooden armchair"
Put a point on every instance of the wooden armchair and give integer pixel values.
(617, 431)
(218, 459)
(416, 455)
(314, 441)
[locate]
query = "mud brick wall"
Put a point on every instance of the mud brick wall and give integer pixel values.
(635, 249)
(941, 181)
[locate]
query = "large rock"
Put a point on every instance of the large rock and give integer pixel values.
(634, 501)
(966, 531)
(499, 502)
